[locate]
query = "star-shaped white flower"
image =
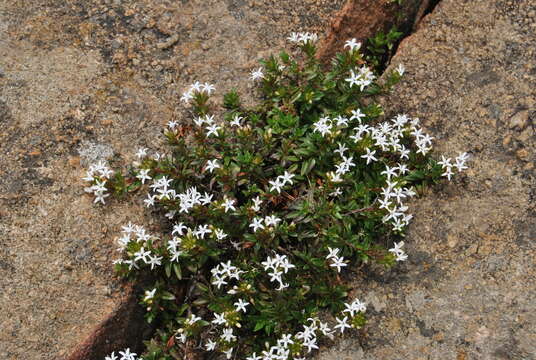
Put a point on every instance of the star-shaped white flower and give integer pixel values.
(338, 262)
(287, 177)
(276, 185)
(352, 44)
(143, 175)
(400, 69)
(236, 121)
(127, 355)
(342, 324)
(149, 294)
(219, 319)
(257, 224)
(271, 220)
(212, 164)
(241, 305)
(142, 152)
(257, 74)
(369, 156)
(212, 130)
(357, 114)
(208, 88)
(210, 345)
(228, 205)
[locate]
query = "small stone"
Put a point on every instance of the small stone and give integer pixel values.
(522, 154)
(74, 161)
(525, 135)
(519, 120)
(451, 241)
(507, 139)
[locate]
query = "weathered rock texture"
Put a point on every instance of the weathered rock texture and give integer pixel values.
(468, 288)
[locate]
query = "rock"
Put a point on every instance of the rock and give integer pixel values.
(522, 154)
(519, 120)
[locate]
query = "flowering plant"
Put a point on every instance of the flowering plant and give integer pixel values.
(268, 206)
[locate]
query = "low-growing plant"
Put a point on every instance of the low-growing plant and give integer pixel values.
(379, 48)
(269, 206)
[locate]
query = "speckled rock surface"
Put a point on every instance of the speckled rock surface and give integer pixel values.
(468, 289)
(82, 80)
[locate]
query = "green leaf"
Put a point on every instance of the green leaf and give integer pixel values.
(177, 270)
(166, 295)
(307, 166)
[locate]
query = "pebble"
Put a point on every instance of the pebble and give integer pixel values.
(519, 120)
(522, 154)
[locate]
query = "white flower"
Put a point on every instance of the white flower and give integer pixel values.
(142, 152)
(362, 78)
(323, 126)
(257, 224)
(336, 193)
(210, 345)
(389, 172)
(179, 228)
(254, 357)
(352, 44)
(154, 261)
(150, 200)
(357, 114)
(111, 356)
(149, 294)
(399, 253)
(212, 130)
(338, 262)
(172, 124)
(341, 120)
(241, 305)
(293, 37)
(220, 235)
(193, 319)
(286, 340)
(333, 253)
(127, 355)
(236, 121)
(355, 307)
(143, 175)
(219, 319)
(142, 255)
(212, 164)
(369, 156)
(257, 74)
(276, 185)
(400, 69)
(342, 324)
(208, 88)
(271, 220)
(445, 162)
(256, 204)
(228, 205)
(201, 231)
(228, 335)
(342, 148)
(181, 337)
(286, 177)
(228, 353)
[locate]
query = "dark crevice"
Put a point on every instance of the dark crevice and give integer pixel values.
(431, 6)
(407, 28)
